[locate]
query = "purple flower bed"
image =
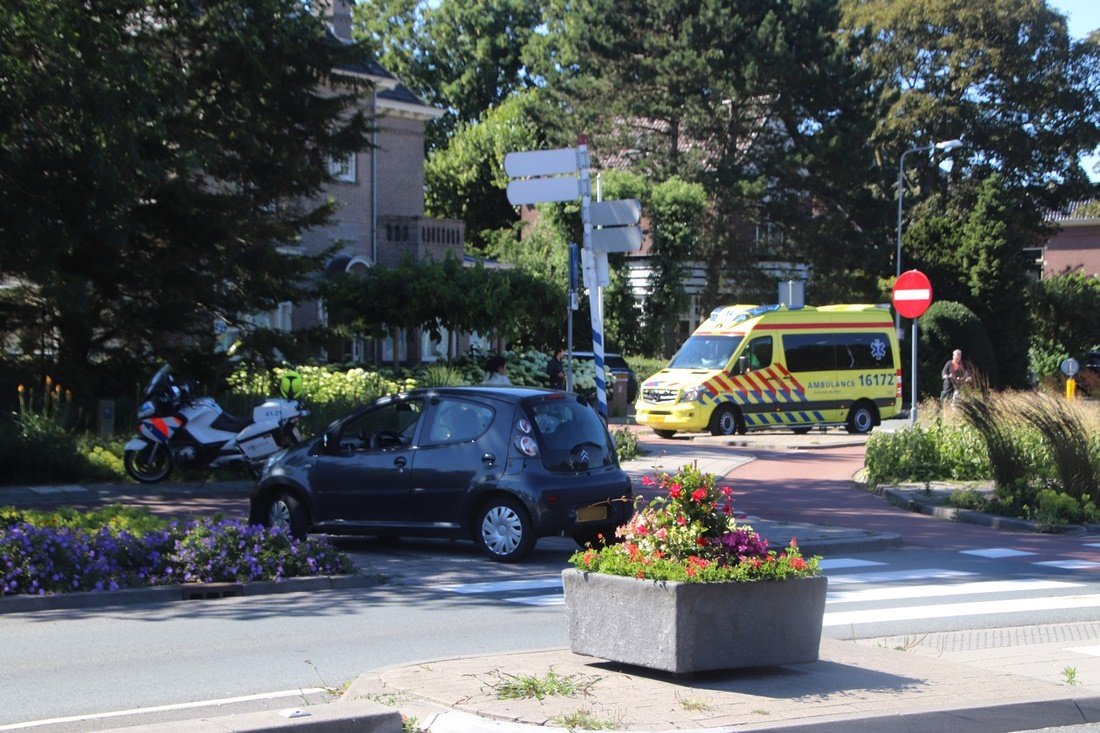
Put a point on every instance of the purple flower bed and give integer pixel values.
(41, 560)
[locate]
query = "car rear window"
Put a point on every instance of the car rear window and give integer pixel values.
(570, 434)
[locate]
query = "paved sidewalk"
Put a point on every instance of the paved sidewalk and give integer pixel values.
(853, 687)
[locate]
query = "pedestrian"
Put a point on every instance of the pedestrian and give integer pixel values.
(955, 375)
(495, 371)
(555, 371)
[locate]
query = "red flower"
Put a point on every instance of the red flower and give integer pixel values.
(727, 491)
(682, 520)
(647, 481)
(675, 493)
(701, 541)
(589, 557)
(699, 494)
(798, 563)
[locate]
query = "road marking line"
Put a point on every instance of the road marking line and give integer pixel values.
(836, 563)
(997, 552)
(503, 585)
(1069, 564)
(976, 608)
(165, 708)
(557, 599)
(895, 575)
(931, 591)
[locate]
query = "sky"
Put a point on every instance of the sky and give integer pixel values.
(1083, 15)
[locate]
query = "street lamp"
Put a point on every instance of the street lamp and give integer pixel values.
(944, 145)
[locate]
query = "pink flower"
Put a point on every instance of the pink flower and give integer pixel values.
(647, 481)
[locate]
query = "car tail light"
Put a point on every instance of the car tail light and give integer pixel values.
(524, 426)
(527, 446)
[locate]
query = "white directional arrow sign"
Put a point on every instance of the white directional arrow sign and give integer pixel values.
(617, 239)
(616, 213)
(541, 163)
(539, 190)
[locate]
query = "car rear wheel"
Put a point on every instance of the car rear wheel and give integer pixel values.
(287, 513)
(663, 433)
(801, 429)
(861, 418)
(503, 530)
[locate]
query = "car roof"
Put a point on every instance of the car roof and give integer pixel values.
(507, 393)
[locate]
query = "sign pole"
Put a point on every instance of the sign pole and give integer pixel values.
(594, 299)
(913, 378)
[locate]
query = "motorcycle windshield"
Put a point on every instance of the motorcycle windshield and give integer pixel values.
(151, 388)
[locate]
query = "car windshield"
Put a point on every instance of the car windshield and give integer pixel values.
(705, 352)
(570, 435)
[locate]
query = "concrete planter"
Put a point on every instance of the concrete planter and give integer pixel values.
(694, 627)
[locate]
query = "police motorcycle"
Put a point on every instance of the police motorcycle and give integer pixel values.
(176, 429)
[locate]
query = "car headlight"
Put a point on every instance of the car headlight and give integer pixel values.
(146, 410)
(691, 394)
(271, 461)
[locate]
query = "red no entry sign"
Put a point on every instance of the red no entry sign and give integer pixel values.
(912, 294)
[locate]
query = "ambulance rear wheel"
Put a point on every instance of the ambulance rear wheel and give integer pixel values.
(861, 418)
(663, 433)
(801, 429)
(726, 420)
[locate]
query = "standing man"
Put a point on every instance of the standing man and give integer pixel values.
(555, 371)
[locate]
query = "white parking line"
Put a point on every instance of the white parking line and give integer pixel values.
(503, 585)
(165, 708)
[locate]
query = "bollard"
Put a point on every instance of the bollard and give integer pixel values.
(106, 414)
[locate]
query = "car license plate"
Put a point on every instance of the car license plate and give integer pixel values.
(591, 513)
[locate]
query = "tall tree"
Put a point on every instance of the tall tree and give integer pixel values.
(756, 101)
(157, 158)
(464, 56)
(1003, 75)
(676, 210)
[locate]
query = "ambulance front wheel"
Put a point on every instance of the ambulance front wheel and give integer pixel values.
(663, 433)
(726, 420)
(861, 418)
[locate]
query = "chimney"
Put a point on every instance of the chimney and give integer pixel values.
(338, 15)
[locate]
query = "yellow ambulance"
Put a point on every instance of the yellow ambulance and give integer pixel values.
(754, 367)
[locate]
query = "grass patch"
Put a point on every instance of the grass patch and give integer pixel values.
(552, 684)
(584, 720)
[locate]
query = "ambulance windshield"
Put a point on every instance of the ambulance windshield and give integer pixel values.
(705, 352)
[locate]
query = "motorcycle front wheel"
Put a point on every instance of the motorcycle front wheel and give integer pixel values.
(150, 464)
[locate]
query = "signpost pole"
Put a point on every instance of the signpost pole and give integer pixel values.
(913, 378)
(594, 293)
(574, 265)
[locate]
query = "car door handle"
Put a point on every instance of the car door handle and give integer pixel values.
(488, 459)
(399, 461)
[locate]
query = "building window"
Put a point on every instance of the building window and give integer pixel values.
(283, 316)
(343, 169)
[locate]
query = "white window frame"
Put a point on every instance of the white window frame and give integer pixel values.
(343, 169)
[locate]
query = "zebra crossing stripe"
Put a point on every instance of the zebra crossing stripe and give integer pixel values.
(503, 586)
(890, 576)
(948, 610)
(941, 590)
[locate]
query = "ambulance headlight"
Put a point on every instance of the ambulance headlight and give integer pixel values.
(691, 394)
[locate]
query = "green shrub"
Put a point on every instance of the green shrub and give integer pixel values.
(988, 415)
(947, 326)
(967, 499)
(645, 367)
(114, 517)
(1066, 433)
(1057, 508)
(936, 451)
(626, 444)
(441, 375)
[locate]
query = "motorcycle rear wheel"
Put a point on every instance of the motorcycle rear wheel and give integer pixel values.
(149, 465)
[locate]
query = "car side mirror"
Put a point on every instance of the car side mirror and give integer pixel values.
(742, 364)
(330, 442)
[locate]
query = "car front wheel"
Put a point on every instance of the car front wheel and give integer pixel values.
(503, 530)
(287, 513)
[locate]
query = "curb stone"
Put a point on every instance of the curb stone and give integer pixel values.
(907, 500)
(182, 592)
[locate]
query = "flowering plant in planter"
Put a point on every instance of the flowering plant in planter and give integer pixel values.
(690, 534)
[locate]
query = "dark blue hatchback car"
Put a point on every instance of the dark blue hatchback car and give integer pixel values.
(502, 466)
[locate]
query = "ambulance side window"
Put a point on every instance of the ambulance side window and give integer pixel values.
(759, 352)
(809, 352)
